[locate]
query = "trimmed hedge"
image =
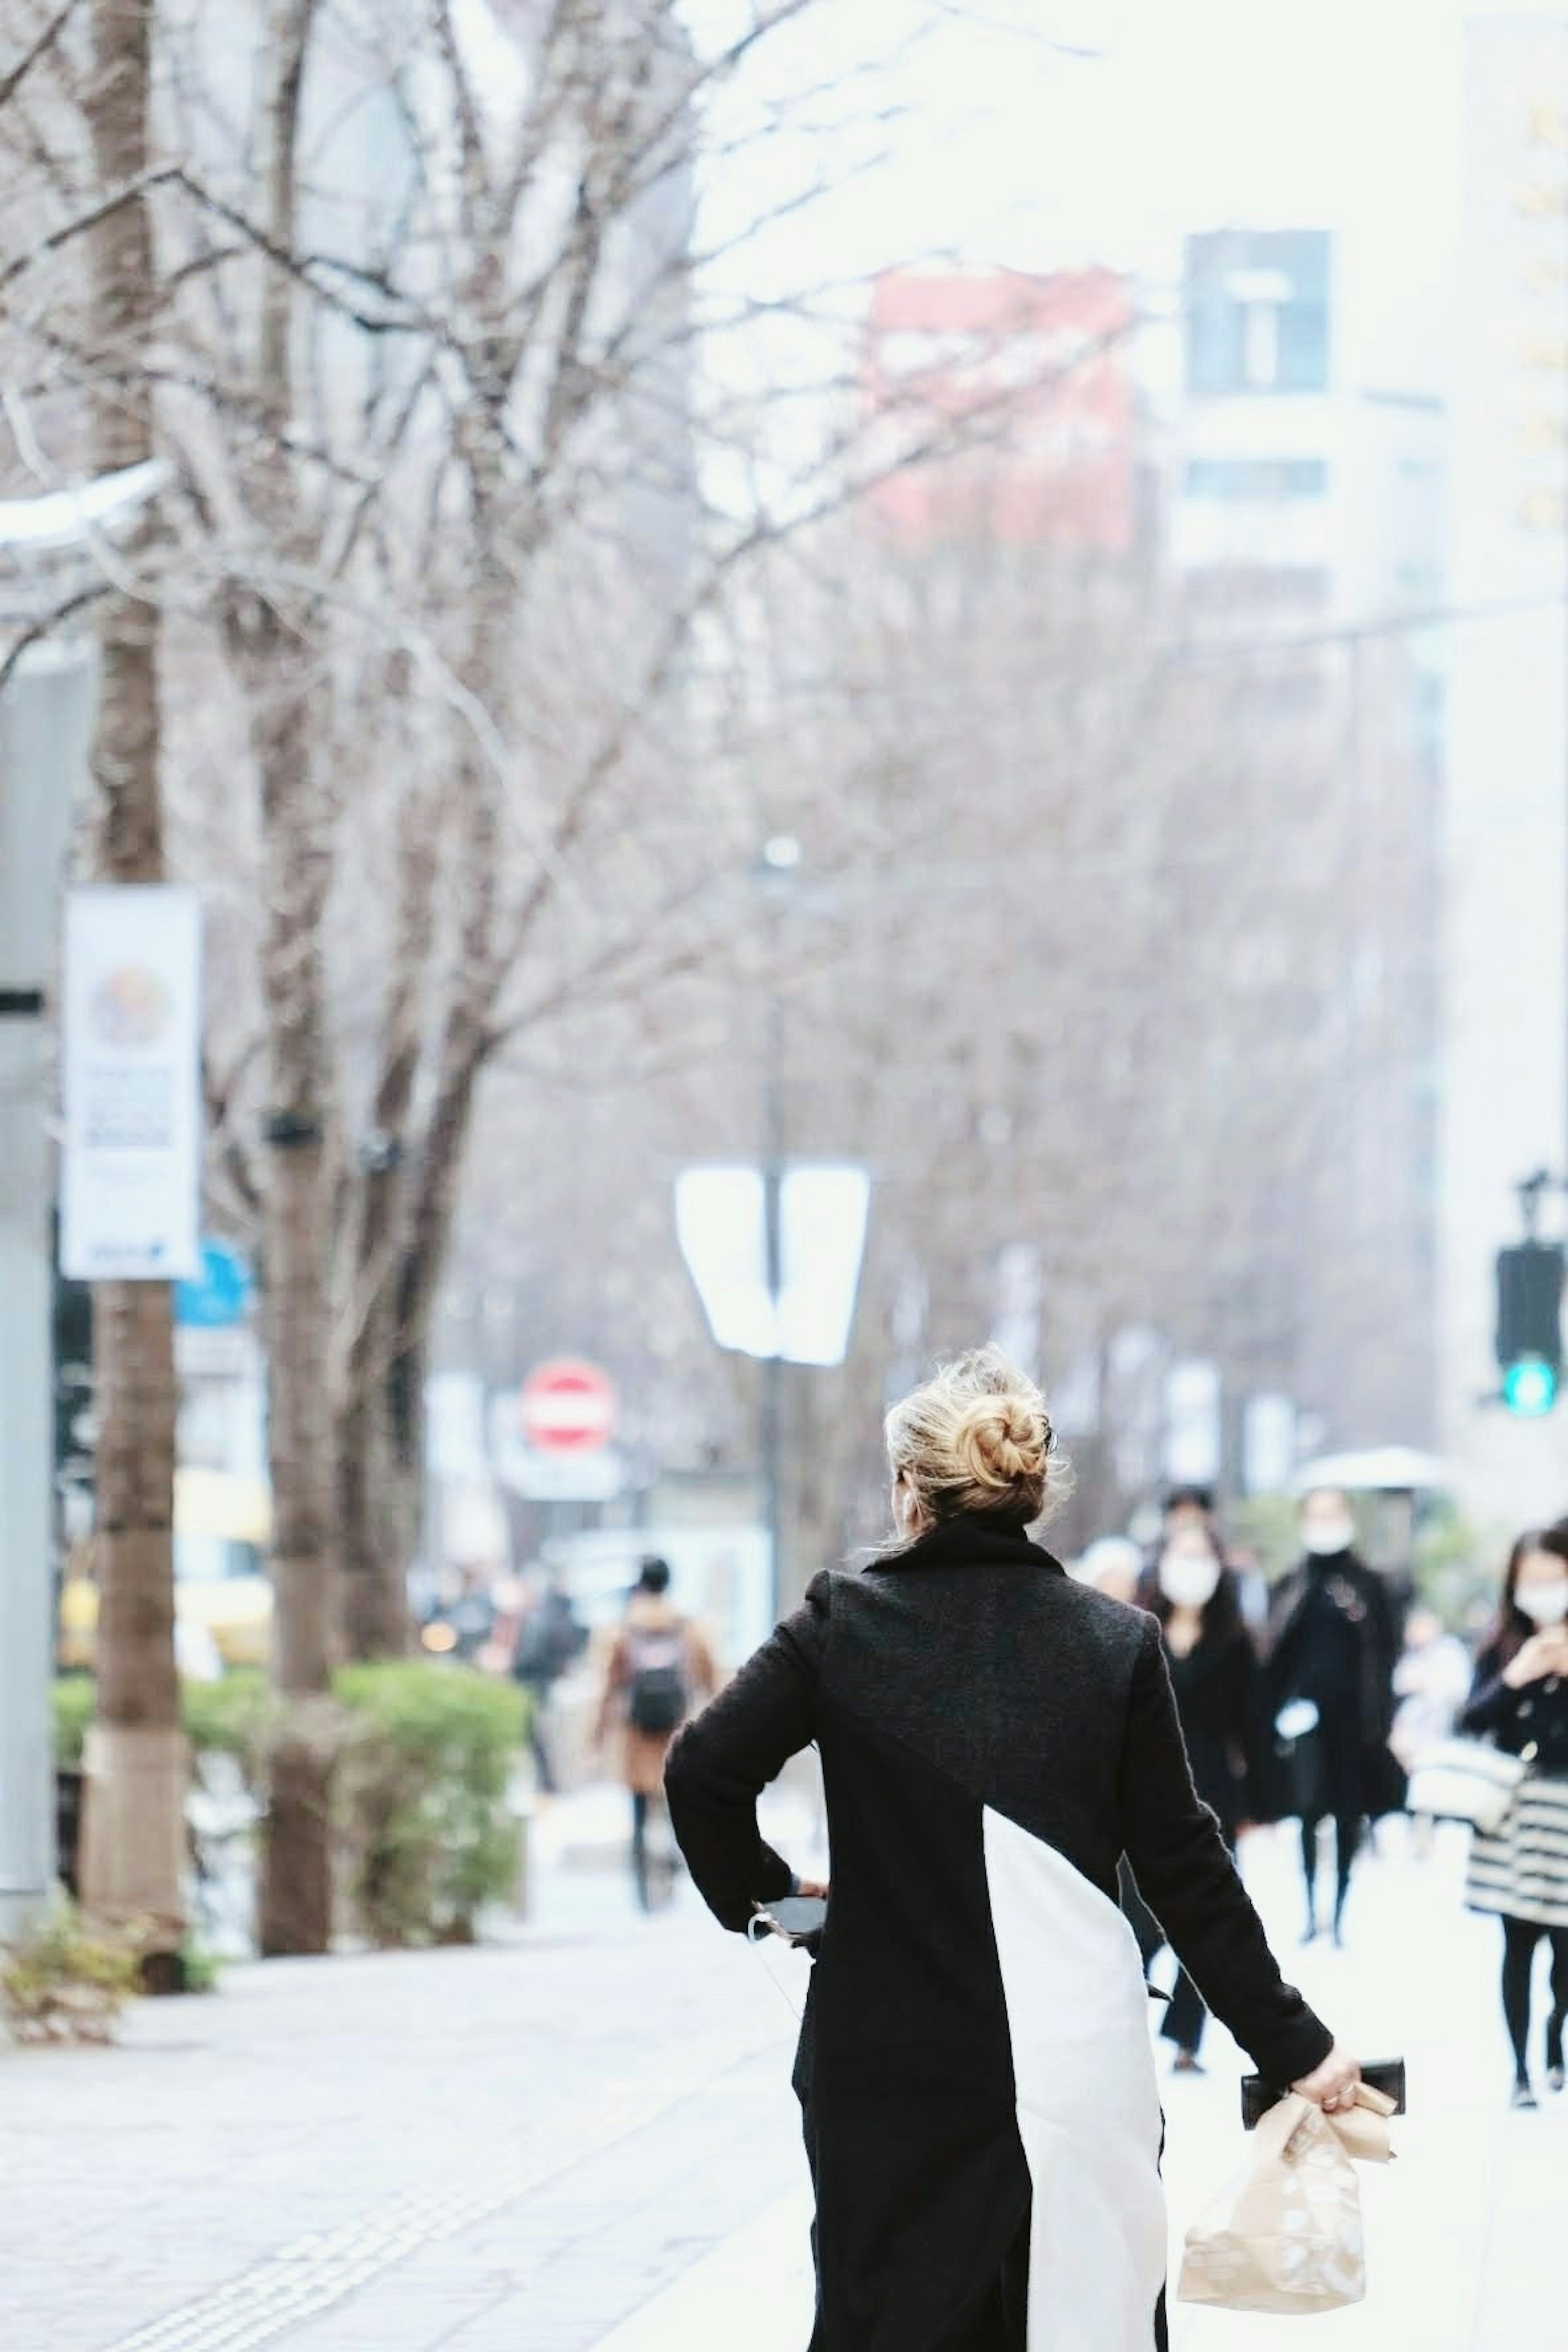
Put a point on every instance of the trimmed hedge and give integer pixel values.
(423, 1752)
(229, 1718)
(423, 1785)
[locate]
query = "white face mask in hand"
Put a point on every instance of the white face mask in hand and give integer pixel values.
(1188, 1581)
(1544, 1604)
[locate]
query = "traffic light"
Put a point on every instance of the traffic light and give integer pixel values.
(1528, 1387)
(1530, 1326)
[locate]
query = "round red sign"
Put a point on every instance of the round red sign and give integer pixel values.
(568, 1407)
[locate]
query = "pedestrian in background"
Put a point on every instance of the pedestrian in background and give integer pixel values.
(658, 1670)
(1520, 1702)
(980, 2108)
(1112, 1565)
(1214, 1673)
(1431, 1683)
(471, 1613)
(1194, 1507)
(550, 1638)
(1329, 1680)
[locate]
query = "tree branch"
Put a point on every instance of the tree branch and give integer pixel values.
(11, 81)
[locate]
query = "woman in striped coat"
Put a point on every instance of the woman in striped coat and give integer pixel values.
(1521, 1701)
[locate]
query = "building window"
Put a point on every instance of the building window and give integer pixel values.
(1258, 312)
(1260, 480)
(1245, 591)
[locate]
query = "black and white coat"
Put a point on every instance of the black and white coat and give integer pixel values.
(981, 2114)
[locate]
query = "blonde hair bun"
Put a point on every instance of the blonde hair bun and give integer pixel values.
(1002, 1441)
(976, 1439)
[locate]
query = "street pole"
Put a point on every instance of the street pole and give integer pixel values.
(46, 727)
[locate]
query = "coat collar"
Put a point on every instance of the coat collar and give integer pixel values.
(971, 1540)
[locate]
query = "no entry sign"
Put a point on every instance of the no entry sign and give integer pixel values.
(568, 1407)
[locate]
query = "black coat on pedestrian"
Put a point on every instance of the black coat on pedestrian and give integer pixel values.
(981, 2114)
(1333, 1639)
(1219, 1699)
(1533, 1718)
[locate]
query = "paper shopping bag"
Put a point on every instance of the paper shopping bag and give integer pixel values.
(1285, 2236)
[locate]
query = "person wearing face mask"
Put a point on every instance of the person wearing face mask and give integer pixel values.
(1520, 1700)
(1333, 1643)
(1213, 1674)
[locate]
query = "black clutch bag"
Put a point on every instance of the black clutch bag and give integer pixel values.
(1258, 2096)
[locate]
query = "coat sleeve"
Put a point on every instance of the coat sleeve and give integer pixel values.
(1281, 1642)
(1188, 1880)
(1490, 1705)
(1385, 1652)
(721, 1764)
(1257, 1751)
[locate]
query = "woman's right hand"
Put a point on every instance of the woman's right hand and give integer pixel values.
(1543, 1654)
(1332, 2086)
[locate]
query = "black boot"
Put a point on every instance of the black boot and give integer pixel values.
(1556, 2076)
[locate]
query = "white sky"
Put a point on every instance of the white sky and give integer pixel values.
(1343, 114)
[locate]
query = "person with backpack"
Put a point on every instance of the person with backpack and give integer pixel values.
(660, 1668)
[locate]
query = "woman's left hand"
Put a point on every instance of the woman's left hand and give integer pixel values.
(1332, 2086)
(818, 1889)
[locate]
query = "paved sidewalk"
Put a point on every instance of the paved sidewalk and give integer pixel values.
(584, 2141)
(1463, 2232)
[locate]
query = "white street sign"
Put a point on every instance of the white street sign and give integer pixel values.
(131, 1050)
(720, 1221)
(595, 1474)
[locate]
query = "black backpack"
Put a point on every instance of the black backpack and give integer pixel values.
(657, 1693)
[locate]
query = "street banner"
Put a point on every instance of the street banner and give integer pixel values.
(131, 1046)
(720, 1218)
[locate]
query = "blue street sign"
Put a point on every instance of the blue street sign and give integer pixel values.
(222, 1295)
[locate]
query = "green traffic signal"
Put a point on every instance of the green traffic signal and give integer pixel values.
(1529, 1387)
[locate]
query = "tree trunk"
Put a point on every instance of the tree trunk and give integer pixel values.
(296, 1896)
(276, 657)
(374, 1556)
(132, 1854)
(374, 1530)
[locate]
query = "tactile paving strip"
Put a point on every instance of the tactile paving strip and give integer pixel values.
(308, 2277)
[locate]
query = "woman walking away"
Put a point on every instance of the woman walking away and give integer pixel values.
(981, 2114)
(659, 1666)
(1214, 1673)
(1521, 1701)
(1332, 1645)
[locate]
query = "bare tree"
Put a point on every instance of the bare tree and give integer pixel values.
(272, 656)
(133, 1856)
